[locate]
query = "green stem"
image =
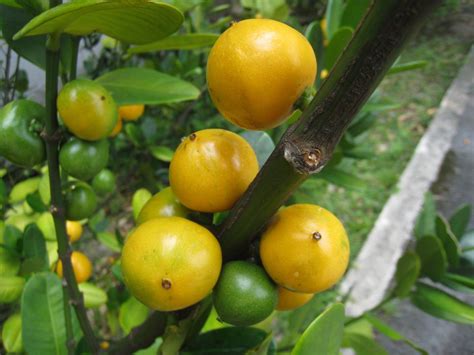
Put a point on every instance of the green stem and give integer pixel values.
(74, 54)
(6, 89)
(308, 145)
(466, 249)
(52, 139)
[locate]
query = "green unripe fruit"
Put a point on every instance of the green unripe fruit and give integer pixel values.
(84, 160)
(104, 182)
(244, 294)
(81, 202)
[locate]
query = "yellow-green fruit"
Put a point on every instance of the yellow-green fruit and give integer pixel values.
(211, 169)
(171, 263)
(257, 69)
(288, 300)
(81, 265)
(305, 248)
(162, 204)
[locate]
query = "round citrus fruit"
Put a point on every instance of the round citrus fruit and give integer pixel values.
(81, 266)
(104, 182)
(162, 204)
(288, 300)
(244, 294)
(131, 112)
(80, 201)
(211, 169)
(305, 248)
(87, 109)
(257, 69)
(171, 263)
(74, 230)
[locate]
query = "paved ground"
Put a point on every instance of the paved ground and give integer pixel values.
(455, 186)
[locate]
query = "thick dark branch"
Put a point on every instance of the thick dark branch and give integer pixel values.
(308, 145)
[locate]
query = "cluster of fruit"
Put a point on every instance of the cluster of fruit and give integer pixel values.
(170, 262)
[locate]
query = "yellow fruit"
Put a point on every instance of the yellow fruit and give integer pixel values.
(257, 69)
(74, 230)
(288, 300)
(81, 265)
(305, 248)
(171, 263)
(211, 169)
(162, 204)
(131, 112)
(117, 128)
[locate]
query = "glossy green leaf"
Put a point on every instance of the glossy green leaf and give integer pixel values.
(23, 189)
(460, 220)
(131, 314)
(315, 36)
(161, 153)
(399, 68)
(179, 42)
(11, 288)
(134, 133)
(11, 334)
(343, 179)
(324, 333)
(109, 240)
(34, 251)
(140, 197)
(425, 224)
(362, 345)
(442, 305)
(43, 323)
(136, 22)
(450, 242)
(146, 86)
(433, 257)
(261, 143)
(359, 326)
(334, 10)
(408, 270)
(35, 202)
(93, 296)
(459, 282)
(392, 333)
(336, 45)
(229, 341)
(353, 12)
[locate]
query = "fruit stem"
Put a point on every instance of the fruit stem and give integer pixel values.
(308, 145)
(72, 293)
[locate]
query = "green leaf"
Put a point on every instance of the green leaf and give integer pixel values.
(353, 12)
(137, 22)
(442, 305)
(11, 334)
(131, 314)
(9, 262)
(93, 296)
(425, 224)
(458, 282)
(12, 237)
(392, 333)
(229, 341)
(140, 197)
(460, 220)
(343, 179)
(361, 124)
(23, 189)
(10, 3)
(134, 133)
(324, 333)
(336, 45)
(146, 86)
(35, 202)
(109, 240)
(362, 345)
(408, 270)
(433, 257)
(261, 143)
(398, 68)
(34, 251)
(179, 42)
(379, 107)
(450, 243)
(3, 192)
(161, 153)
(333, 16)
(11, 288)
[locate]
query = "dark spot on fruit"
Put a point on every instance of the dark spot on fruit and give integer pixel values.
(166, 284)
(192, 136)
(317, 236)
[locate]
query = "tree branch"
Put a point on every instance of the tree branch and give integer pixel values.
(308, 145)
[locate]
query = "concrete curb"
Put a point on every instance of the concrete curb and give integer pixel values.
(373, 270)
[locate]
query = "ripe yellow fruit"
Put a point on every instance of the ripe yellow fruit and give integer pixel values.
(74, 230)
(81, 265)
(162, 204)
(171, 263)
(305, 248)
(131, 112)
(211, 169)
(288, 300)
(257, 69)
(117, 128)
